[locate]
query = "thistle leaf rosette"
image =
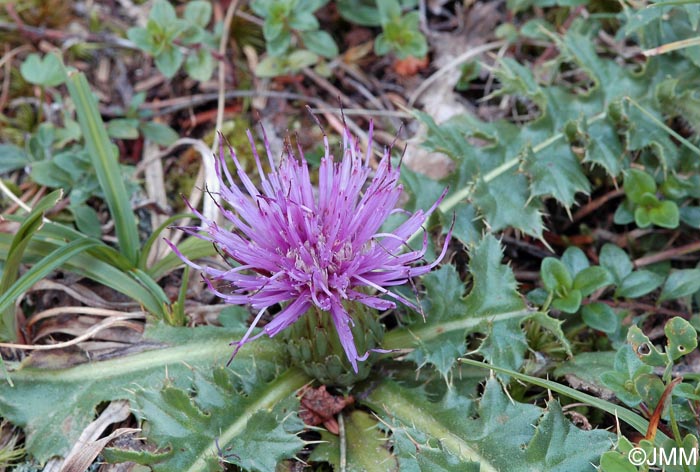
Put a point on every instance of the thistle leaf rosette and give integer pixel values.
(302, 247)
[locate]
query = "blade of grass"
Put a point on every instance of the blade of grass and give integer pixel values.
(152, 286)
(674, 46)
(146, 249)
(100, 257)
(628, 416)
(106, 165)
(668, 3)
(42, 268)
(58, 234)
(92, 267)
(29, 226)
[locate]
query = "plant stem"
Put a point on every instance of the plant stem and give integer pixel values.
(663, 126)
(343, 443)
(668, 254)
(631, 305)
(404, 338)
(626, 415)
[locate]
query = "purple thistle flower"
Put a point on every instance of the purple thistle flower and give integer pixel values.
(302, 248)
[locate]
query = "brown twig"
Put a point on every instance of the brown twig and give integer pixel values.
(551, 49)
(668, 254)
(34, 33)
(107, 323)
(594, 204)
(642, 307)
(171, 105)
(656, 416)
(330, 88)
(6, 61)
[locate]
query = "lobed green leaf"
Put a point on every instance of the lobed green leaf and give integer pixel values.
(504, 435)
(80, 388)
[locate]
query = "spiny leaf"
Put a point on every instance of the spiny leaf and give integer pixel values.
(427, 456)
(79, 389)
(604, 148)
(495, 288)
(507, 178)
(501, 198)
(446, 303)
(559, 445)
(629, 417)
(556, 172)
(500, 438)
(492, 304)
(248, 430)
(645, 131)
(504, 203)
(505, 344)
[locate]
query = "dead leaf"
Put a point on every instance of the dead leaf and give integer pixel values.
(320, 407)
(88, 447)
(410, 66)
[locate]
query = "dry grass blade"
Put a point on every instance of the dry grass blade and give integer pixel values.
(125, 332)
(197, 191)
(210, 209)
(108, 323)
(88, 447)
(80, 293)
(674, 46)
(454, 63)
(155, 188)
(83, 310)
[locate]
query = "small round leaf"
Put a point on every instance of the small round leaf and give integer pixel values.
(681, 338)
(555, 275)
(601, 317)
(637, 183)
(665, 214)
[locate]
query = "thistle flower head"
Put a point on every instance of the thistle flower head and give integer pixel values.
(301, 247)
